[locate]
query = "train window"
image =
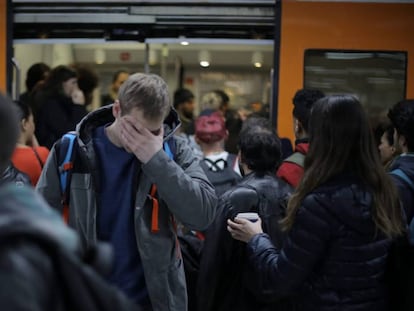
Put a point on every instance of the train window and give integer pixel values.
(377, 78)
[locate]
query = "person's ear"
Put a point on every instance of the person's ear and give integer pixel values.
(116, 109)
(298, 126)
(23, 124)
(402, 141)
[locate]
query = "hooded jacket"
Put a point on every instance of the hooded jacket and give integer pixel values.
(334, 258)
(41, 266)
(183, 192)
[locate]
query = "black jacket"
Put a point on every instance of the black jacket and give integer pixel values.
(334, 258)
(224, 280)
(41, 268)
(56, 115)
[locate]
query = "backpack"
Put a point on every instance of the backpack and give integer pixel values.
(400, 267)
(400, 173)
(66, 159)
(297, 158)
(222, 179)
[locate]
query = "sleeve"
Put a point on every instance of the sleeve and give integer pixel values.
(183, 186)
(48, 184)
(222, 254)
(281, 273)
(26, 277)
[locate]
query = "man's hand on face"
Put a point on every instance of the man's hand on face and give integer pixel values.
(139, 140)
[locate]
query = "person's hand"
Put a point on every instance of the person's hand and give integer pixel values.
(78, 97)
(243, 229)
(139, 140)
(33, 141)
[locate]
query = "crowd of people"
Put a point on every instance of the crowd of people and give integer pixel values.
(146, 173)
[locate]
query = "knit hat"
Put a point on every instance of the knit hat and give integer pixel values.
(210, 128)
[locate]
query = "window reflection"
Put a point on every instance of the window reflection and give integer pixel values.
(377, 78)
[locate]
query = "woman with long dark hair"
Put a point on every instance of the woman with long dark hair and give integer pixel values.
(340, 221)
(58, 105)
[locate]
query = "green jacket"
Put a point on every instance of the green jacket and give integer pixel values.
(183, 191)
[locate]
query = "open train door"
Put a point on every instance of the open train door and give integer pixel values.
(274, 96)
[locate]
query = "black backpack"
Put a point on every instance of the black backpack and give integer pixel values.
(221, 179)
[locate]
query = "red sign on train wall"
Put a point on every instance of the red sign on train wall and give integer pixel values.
(125, 56)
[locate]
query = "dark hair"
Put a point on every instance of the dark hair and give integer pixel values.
(389, 134)
(341, 140)
(36, 73)
(224, 97)
(57, 76)
(9, 131)
(182, 96)
(303, 102)
(402, 118)
(23, 110)
(87, 81)
(260, 149)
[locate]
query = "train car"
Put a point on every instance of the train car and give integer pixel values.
(360, 47)
(344, 27)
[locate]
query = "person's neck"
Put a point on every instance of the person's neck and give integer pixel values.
(22, 142)
(210, 149)
(111, 133)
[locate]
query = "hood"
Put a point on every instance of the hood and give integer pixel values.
(405, 162)
(104, 116)
(24, 213)
(349, 202)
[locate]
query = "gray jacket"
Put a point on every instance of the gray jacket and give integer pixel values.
(183, 191)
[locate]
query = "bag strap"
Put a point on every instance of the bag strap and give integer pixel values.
(169, 147)
(400, 173)
(65, 165)
(214, 164)
(297, 158)
(38, 157)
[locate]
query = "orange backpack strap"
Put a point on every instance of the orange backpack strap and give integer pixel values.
(155, 209)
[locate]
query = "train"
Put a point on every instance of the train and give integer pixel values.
(361, 47)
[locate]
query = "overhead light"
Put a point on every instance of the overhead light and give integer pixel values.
(164, 50)
(204, 58)
(183, 40)
(100, 56)
(153, 57)
(257, 59)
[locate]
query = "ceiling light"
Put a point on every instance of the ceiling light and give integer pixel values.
(100, 56)
(257, 59)
(183, 40)
(204, 58)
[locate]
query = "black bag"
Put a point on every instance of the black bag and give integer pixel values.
(400, 274)
(191, 248)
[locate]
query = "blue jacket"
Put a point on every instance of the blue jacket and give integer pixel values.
(333, 258)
